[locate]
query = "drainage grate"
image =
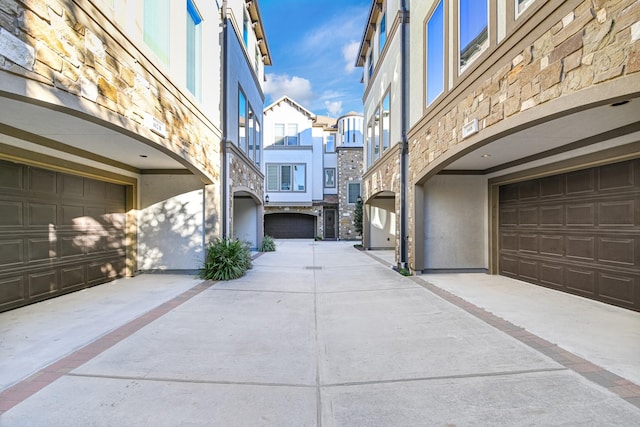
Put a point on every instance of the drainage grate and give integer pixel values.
(312, 267)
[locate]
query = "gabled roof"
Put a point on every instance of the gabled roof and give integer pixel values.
(325, 122)
(294, 104)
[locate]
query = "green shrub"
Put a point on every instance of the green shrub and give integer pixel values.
(268, 244)
(226, 259)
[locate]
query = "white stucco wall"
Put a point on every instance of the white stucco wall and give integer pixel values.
(382, 223)
(456, 222)
(245, 219)
(171, 222)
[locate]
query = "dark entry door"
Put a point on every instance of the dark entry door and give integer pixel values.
(330, 224)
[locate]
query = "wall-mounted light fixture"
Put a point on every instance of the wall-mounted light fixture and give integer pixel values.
(266, 199)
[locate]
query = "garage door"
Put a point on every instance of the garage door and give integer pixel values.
(58, 233)
(578, 232)
(289, 226)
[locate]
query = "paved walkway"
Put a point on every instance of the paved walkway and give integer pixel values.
(316, 334)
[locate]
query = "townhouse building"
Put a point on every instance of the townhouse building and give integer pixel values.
(125, 142)
(382, 56)
(312, 168)
(524, 141)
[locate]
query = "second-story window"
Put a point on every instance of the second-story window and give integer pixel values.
(330, 145)
(242, 121)
(286, 134)
(370, 61)
(382, 38)
(286, 177)
(194, 50)
(376, 134)
(473, 35)
(157, 24)
(386, 117)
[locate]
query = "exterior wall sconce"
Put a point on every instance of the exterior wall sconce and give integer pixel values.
(359, 199)
(266, 199)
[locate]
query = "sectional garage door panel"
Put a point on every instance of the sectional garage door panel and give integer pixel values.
(578, 232)
(58, 233)
(289, 226)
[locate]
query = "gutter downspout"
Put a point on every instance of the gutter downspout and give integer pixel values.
(404, 218)
(223, 114)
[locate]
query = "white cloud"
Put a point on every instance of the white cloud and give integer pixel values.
(349, 53)
(297, 88)
(334, 108)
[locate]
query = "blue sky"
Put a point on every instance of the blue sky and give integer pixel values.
(313, 45)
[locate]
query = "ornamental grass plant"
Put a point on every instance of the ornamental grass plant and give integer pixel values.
(226, 259)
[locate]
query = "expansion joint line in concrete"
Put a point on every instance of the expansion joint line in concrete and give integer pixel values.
(622, 387)
(445, 377)
(317, 345)
(26, 388)
(189, 381)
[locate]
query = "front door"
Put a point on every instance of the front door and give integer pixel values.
(330, 224)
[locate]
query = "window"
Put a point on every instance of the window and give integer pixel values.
(258, 142)
(289, 177)
(257, 59)
(245, 31)
(369, 143)
(521, 5)
(251, 134)
(370, 64)
(290, 137)
(376, 134)
(157, 34)
(242, 121)
(330, 177)
(435, 54)
(330, 145)
(383, 32)
(473, 27)
(353, 191)
(194, 50)
(386, 116)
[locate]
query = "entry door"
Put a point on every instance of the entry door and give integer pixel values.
(330, 224)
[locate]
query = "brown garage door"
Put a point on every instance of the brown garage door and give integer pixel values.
(289, 226)
(58, 233)
(578, 232)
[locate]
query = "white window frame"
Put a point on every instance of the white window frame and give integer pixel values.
(292, 178)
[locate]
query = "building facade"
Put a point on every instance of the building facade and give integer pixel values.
(113, 136)
(523, 143)
(306, 182)
(381, 57)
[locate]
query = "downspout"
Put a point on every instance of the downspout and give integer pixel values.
(223, 114)
(404, 91)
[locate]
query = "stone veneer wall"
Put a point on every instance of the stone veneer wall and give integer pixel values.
(350, 165)
(243, 176)
(60, 45)
(384, 175)
(596, 42)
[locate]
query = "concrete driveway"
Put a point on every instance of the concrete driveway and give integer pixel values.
(317, 333)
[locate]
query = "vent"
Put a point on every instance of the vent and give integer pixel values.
(311, 267)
